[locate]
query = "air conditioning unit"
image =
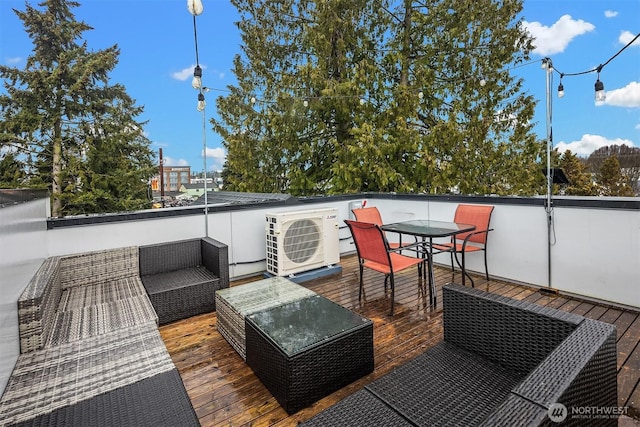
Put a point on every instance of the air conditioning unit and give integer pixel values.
(301, 241)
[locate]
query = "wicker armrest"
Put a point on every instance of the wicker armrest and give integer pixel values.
(215, 257)
(581, 371)
(515, 334)
(37, 306)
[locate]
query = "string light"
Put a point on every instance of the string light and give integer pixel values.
(561, 87)
(599, 86)
(201, 102)
(600, 94)
(195, 7)
(196, 83)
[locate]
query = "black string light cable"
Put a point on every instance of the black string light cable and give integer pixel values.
(599, 86)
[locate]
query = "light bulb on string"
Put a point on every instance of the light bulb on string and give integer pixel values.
(420, 95)
(600, 93)
(201, 102)
(196, 83)
(195, 7)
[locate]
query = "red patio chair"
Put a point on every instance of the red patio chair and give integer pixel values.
(474, 241)
(372, 215)
(374, 253)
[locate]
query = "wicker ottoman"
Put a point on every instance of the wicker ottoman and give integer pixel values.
(235, 303)
(307, 349)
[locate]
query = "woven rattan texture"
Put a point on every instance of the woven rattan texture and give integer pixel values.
(302, 379)
(517, 334)
(183, 293)
(97, 267)
(451, 384)
(102, 318)
(49, 379)
(179, 281)
(461, 388)
(165, 257)
(234, 304)
(37, 306)
(580, 372)
(160, 400)
(361, 409)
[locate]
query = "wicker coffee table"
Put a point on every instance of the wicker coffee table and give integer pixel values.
(307, 349)
(235, 303)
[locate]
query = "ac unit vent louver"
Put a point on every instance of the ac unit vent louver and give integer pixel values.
(301, 241)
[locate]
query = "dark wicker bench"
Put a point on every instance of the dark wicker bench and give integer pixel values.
(182, 277)
(502, 362)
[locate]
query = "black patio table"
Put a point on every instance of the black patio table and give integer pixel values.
(428, 230)
(306, 349)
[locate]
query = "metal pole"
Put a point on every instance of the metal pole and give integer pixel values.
(549, 206)
(204, 157)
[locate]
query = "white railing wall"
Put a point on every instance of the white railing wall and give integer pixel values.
(596, 251)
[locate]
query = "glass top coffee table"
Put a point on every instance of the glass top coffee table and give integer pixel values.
(235, 303)
(306, 349)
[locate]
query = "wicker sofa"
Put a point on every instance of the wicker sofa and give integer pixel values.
(182, 277)
(91, 352)
(502, 362)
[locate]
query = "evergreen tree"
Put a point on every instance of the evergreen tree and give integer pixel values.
(62, 114)
(379, 96)
(11, 171)
(612, 181)
(628, 157)
(580, 181)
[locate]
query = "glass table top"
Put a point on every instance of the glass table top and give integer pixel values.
(302, 324)
(266, 293)
(428, 228)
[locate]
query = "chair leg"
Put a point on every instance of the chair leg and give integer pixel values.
(453, 270)
(361, 283)
(393, 291)
(486, 270)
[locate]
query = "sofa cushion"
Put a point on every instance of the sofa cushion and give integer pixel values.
(446, 386)
(182, 293)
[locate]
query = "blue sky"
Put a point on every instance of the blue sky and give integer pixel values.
(158, 55)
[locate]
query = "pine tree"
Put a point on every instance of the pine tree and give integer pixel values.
(62, 113)
(580, 180)
(358, 95)
(611, 180)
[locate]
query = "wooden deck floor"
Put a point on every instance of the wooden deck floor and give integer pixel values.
(224, 390)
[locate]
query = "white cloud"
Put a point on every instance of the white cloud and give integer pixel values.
(14, 60)
(626, 36)
(610, 13)
(185, 73)
(218, 155)
(555, 39)
(590, 143)
(170, 161)
(628, 96)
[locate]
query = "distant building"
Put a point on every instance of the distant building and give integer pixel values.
(174, 178)
(195, 189)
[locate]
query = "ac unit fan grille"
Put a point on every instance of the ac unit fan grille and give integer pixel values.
(302, 240)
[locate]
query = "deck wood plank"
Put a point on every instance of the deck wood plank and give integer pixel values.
(224, 390)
